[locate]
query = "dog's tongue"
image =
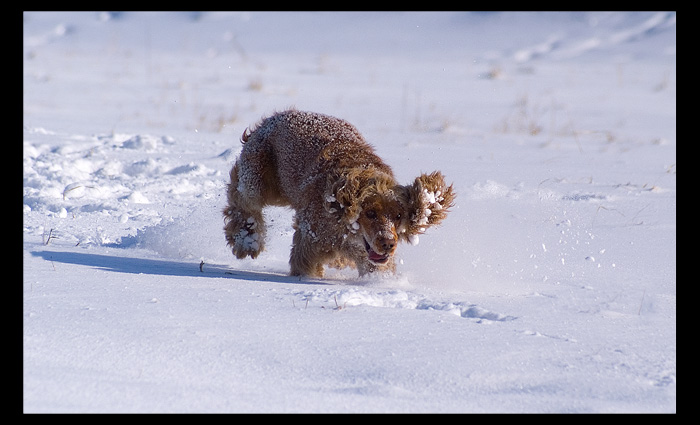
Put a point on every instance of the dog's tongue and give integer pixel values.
(376, 257)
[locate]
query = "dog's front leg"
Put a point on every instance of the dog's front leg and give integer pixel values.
(304, 259)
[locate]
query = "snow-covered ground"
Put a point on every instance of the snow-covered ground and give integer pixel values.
(550, 288)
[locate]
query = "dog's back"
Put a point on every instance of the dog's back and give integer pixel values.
(304, 147)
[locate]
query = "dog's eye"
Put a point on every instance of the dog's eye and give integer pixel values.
(371, 214)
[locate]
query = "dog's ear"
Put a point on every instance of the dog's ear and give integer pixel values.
(343, 197)
(426, 202)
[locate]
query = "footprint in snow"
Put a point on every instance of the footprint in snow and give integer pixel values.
(345, 298)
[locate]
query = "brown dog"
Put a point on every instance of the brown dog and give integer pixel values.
(350, 211)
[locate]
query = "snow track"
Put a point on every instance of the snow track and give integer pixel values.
(352, 297)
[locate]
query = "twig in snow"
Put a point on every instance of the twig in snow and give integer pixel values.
(47, 240)
(337, 307)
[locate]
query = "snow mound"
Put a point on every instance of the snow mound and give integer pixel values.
(352, 297)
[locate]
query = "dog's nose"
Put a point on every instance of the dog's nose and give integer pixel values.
(387, 244)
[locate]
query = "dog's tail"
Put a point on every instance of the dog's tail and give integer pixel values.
(245, 135)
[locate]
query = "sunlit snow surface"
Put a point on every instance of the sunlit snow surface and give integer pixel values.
(551, 287)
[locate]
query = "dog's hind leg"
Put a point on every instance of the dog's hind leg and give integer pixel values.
(254, 184)
(243, 218)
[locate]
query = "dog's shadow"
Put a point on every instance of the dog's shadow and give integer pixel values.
(145, 266)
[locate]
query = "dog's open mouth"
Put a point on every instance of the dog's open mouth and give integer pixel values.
(374, 256)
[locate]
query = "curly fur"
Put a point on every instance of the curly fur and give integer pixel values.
(350, 211)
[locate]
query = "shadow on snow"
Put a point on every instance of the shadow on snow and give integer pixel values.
(166, 267)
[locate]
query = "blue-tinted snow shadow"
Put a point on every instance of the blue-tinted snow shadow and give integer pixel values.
(120, 264)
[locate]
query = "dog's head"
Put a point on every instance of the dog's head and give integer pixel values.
(379, 223)
(382, 213)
